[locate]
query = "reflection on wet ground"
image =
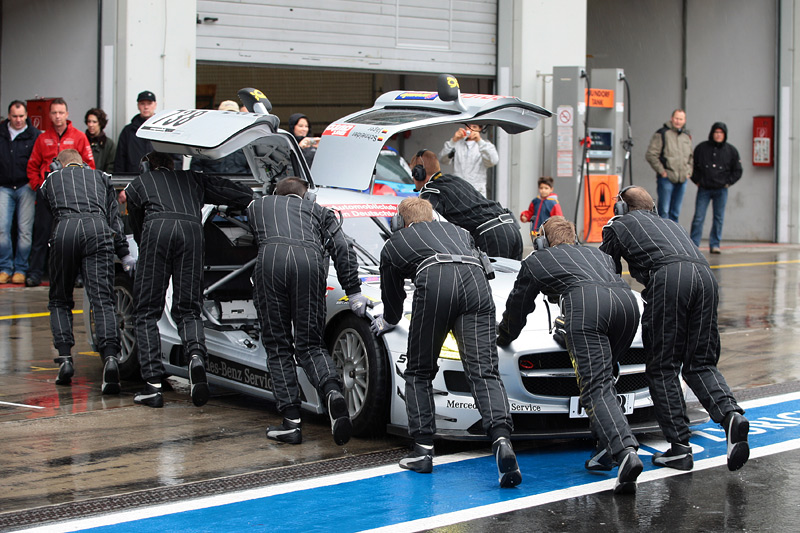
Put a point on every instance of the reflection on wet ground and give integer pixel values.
(63, 444)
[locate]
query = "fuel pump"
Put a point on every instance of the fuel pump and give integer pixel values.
(592, 145)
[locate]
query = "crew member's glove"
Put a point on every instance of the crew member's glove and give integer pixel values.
(380, 326)
(128, 264)
(359, 304)
(502, 338)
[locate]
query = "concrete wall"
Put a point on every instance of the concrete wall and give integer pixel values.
(730, 77)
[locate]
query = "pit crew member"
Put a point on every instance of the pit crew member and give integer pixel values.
(679, 325)
(87, 230)
(164, 206)
(294, 235)
(600, 320)
(452, 292)
(493, 227)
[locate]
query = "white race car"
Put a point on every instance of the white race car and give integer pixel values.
(537, 372)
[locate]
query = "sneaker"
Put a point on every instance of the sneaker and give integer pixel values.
(341, 426)
(679, 457)
(4, 277)
(150, 396)
(110, 377)
(33, 281)
(600, 461)
(629, 469)
(716, 250)
(736, 429)
(289, 431)
(420, 459)
(507, 467)
(198, 383)
(65, 371)
(18, 278)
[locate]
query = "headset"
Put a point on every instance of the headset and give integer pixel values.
(540, 242)
(621, 207)
(418, 172)
(144, 164)
(397, 223)
(310, 195)
(55, 165)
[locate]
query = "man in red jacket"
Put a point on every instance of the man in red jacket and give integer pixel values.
(60, 136)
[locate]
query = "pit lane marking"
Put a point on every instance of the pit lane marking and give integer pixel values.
(21, 405)
(36, 315)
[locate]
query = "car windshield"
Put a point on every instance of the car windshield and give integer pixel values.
(368, 235)
(391, 167)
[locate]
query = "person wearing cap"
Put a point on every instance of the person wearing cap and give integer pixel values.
(130, 148)
(235, 163)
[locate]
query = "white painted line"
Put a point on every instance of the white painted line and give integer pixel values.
(572, 492)
(22, 405)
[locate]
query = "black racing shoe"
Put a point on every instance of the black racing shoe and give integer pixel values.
(341, 425)
(630, 466)
(289, 432)
(420, 459)
(507, 467)
(679, 457)
(33, 281)
(198, 382)
(736, 429)
(150, 396)
(110, 377)
(600, 461)
(65, 371)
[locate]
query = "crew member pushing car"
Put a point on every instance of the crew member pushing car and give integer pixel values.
(86, 233)
(294, 236)
(679, 325)
(494, 228)
(600, 320)
(165, 213)
(451, 292)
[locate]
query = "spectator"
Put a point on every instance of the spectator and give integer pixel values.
(301, 129)
(235, 163)
(102, 146)
(542, 207)
(131, 149)
(670, 155)
(60, 136)
(17, 137)
(471, 156)
(716, 167)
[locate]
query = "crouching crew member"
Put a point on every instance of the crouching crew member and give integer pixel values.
(451, 292)
(294, 236)
(86, 233)
(679, 325)
(493, 227)
(600, 320)
(164, 206)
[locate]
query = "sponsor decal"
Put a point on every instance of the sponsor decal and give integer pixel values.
(258, 95)
(453, 404)
(240, 373)
(416, 96)
(484, 96)
(371, 279)
(338, 130)
(525, 408)
(364, 210)
(366, 136)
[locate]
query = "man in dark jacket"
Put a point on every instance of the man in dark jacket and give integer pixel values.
(600, 320)
(492, 226)
(130, 148)
(294, 235)
(87, 231)
(164, 208)
(17, 137)
(716, 167)
(451, 293)
(679, 325)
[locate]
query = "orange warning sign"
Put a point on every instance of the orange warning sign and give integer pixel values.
(598, 205)
(600, 97)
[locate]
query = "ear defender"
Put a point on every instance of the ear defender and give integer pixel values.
(418, 172)
(55, 165)
(310, 195)
(540, 242)
(144, 165)
(620, 207)
(397, 223)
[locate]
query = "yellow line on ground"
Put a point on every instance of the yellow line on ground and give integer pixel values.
(35, 315)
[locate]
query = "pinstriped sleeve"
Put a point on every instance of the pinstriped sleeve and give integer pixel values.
(521, 302)
(392, 281)
(115, 222)
(344, 257)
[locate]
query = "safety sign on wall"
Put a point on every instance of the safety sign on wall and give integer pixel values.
(564, 141)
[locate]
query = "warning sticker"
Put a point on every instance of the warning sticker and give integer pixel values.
(339, 130)
(564, 115)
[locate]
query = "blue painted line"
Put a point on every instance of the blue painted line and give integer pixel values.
(405, 496)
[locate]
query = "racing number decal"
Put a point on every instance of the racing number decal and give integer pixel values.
(179, 117)
(452, 82)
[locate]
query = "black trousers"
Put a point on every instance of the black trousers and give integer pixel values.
(601, 323)
(82, 245)
(679, 328)
(290, 282)
(42, 229)
(458, 298)
(504, 240)
(168, 249)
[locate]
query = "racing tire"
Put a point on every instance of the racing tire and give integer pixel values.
(123, 309)
(363, 368)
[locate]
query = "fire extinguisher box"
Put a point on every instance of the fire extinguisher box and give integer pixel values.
(763, 141)
(39, 112)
